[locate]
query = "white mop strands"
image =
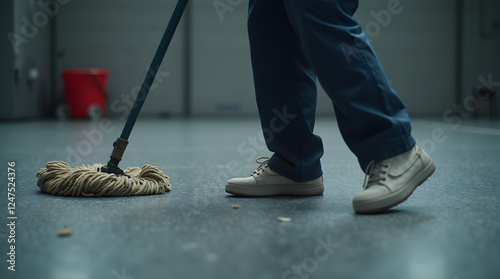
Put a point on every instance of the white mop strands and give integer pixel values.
(58, 178)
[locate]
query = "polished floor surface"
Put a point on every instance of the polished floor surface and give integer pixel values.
(448, 229)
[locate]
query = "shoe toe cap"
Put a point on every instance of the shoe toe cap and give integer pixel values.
(242, 181)
(371, 193)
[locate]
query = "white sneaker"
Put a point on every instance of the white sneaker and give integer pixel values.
(265, 182)
(392, 181)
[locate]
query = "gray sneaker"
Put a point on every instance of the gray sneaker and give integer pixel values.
(392, 181)
(265, 182)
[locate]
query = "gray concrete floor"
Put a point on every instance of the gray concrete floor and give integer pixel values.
(449, 228)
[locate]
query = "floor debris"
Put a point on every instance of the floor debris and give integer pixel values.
(64, 233)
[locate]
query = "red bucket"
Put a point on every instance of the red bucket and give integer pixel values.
(85, 89)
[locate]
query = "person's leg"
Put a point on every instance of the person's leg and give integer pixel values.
(371, 116)
(285, 87)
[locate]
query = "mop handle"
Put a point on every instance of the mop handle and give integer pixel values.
(153, 68)
(121, 143)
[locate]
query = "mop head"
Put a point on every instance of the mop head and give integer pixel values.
(58, 178)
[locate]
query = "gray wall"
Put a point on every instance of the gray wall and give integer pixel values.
(221, 70)
(417, 49)
(481, 49)
(7, 58)
(25, 49)
(122, 37)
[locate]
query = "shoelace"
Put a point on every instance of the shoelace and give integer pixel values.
(376, 173)
(260, 169)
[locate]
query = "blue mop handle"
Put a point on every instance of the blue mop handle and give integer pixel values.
(154, 67)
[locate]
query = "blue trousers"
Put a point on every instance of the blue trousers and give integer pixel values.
(296, 42)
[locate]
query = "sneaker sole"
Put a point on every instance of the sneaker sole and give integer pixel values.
(275, 190)
(393, 199)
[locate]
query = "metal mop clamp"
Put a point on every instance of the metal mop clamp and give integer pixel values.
(121, 143)
(116, 156)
